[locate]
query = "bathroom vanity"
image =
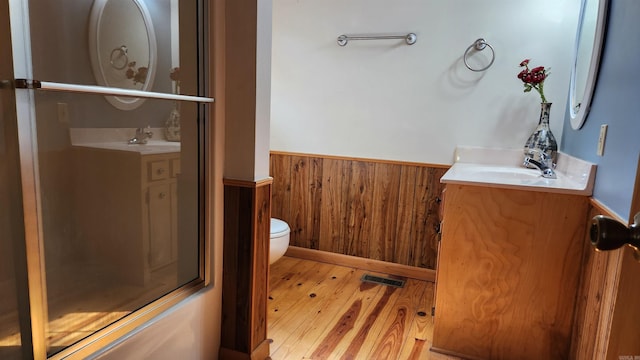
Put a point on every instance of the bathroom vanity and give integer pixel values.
(126, 196)
(509, 259)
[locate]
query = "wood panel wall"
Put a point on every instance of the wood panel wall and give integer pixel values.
(590, 297)
(607, 317)
(372, 209)
(245, 275)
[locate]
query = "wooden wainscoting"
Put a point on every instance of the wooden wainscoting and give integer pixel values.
(245, 276)
(590, 298)
(606, 319)
(373, 209)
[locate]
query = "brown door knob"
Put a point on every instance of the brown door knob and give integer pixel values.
(609, 234)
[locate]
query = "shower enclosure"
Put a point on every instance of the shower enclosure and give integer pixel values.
(98, 233)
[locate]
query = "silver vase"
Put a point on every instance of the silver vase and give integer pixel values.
(172, 125)
(542, 139)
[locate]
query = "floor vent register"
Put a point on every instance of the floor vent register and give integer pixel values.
(382, 280)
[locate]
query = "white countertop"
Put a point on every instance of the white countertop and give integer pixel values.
(117, 139)
(151, 147)
(503, 168)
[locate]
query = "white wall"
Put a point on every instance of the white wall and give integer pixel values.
(248, 77)
(263, 88)
(387, 100)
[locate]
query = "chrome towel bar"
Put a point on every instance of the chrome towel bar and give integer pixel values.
(410, 38)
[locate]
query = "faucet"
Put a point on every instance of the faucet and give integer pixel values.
(544, 165)
(142, 136)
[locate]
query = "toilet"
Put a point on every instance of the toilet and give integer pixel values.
(279, 239)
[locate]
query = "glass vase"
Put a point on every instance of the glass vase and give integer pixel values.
(542, 139)
(172, 125)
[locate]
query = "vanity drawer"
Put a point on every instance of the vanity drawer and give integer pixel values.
(157, 170)
(175, 167)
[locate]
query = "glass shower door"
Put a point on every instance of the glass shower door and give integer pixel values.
(110, 130)
(12, 259)
(12, 285)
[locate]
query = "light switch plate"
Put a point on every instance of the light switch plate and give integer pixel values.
(602, 138)
(63, 113)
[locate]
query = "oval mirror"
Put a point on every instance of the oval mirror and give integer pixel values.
(589, 40)
(122, 47)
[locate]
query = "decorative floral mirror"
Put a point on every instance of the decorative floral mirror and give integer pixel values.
(122, 46)
(589, 40)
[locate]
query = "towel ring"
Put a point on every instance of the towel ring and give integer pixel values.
(479, 45)
(117, 55)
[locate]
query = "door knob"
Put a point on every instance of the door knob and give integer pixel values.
(609, 234)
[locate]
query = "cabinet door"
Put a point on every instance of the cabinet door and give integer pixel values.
(160, 232)
(508, 273)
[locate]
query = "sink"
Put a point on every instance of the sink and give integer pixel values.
(499, 172)
(503, 168)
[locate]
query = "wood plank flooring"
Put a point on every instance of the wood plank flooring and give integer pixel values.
(324, 311)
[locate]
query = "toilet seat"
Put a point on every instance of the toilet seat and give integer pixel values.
(278, 228)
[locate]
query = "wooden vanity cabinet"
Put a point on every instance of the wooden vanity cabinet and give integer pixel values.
(160, 211)
(508, 273)
(127, 210)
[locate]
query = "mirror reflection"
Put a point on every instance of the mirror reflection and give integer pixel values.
(586, 59)
(122, 45)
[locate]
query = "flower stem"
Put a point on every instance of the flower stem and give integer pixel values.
(540, 90)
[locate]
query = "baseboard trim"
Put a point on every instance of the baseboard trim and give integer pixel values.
(604, 210)
(259, 353)
(412, 272)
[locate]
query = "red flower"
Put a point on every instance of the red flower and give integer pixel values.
(138, 75)
(522, 74)
(141, 75)
(533, 79)
(175, 74)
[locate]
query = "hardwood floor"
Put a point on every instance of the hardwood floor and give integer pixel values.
(324, 311)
